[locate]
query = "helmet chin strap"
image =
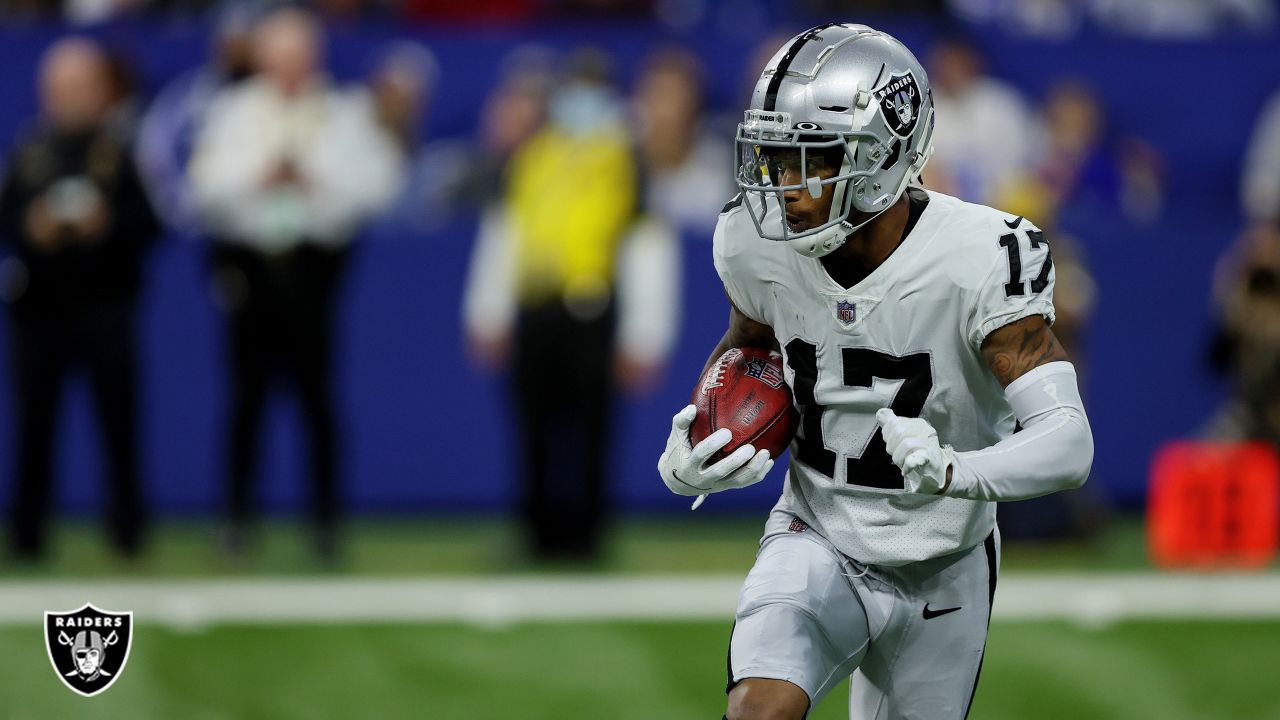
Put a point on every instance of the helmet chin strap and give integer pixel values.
(827, 241)
(821, 244)
(824, 243)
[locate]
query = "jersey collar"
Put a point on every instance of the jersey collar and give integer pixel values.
(874, 286)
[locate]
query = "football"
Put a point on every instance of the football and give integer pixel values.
(745, 390)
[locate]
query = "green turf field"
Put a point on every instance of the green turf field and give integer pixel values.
(1142, 671)
(1166, 670)
(482, 546)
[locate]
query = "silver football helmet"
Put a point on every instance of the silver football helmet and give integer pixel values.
(842, 95)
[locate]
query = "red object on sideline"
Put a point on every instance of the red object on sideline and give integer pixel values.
(1214, 505)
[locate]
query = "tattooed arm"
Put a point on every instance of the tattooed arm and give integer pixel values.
(1019, 347)
(1054, 450)
(742, 332)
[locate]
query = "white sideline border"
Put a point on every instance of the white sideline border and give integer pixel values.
(1090, 599)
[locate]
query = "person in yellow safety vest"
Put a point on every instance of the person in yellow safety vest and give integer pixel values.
(573, 287)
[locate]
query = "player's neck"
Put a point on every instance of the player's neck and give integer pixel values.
(870, 246)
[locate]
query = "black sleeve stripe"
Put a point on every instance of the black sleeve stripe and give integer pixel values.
(990, 547)
(729, 661)
(734, 202)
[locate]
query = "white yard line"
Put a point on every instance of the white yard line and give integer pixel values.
(498, 601)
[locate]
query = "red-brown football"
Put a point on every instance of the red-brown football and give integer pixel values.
(745, 391)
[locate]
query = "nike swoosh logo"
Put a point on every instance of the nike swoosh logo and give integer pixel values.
(1014, 222)
(931, 614)
(680, 480)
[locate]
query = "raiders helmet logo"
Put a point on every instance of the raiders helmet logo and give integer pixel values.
(900, 103)
(88, 647)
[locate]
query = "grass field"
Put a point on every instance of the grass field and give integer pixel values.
(625, 671)
(485, 545)
(1173, 669)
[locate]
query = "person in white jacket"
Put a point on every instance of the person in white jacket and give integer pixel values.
(286, 168)
(1260, 182)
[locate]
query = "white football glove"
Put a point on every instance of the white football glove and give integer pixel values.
(684, 467)
(913, 445)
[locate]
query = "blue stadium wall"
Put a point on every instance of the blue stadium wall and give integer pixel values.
(423, 431)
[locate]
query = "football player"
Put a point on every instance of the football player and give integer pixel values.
(916, 335)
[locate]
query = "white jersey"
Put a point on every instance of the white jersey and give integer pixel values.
(906, 337)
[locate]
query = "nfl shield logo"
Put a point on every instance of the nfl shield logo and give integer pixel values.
(846, 312)
(88, 647)
(766, 372)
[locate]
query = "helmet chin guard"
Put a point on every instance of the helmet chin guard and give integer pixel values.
(848, 111)
(822, 243)
(825, 242)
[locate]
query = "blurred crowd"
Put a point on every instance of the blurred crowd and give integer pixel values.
(1166, 19)
(1246, 293)
(260, 154)
(572, 284)
(1054, 19)
(279, 169)
(87, 12)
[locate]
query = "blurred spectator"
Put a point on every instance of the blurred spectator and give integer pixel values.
(1261, 181)
(1058, 19)
(981, 141)
(466, 175)
(400, 88)
(513, 112)
(285, 171)
(398, 95)
(76, 220)
(1183, 18)
(1079, 169)
(1070, 159)
(122, 92)
(761, 53)
(167, 131)
(1247, 294)
(90, 12)
(1085, 168)
(554, 284)
(1247, 345)
(683, 163)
